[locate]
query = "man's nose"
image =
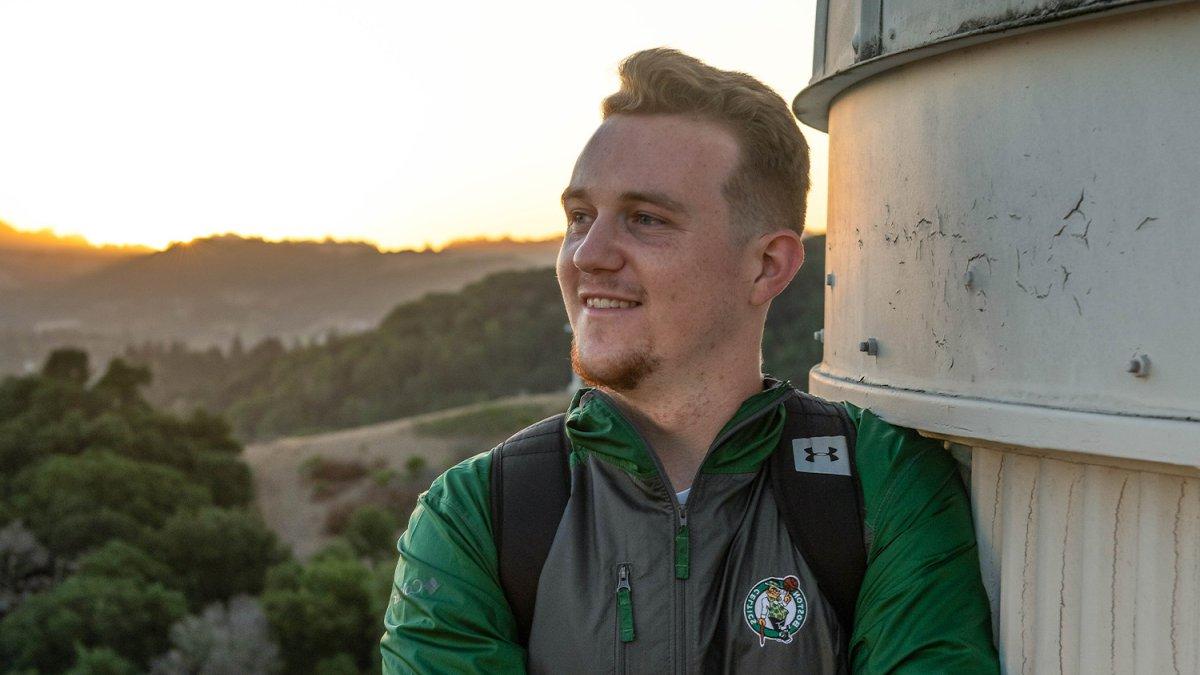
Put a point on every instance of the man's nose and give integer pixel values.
(600, 248)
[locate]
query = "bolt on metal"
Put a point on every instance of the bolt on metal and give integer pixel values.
(819, 335)
(870, 346)
(1139, 366)
(829, 279)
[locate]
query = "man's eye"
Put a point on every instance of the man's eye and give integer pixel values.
(577, 218)
(647, 219)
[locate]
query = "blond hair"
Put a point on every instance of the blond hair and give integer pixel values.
(769, 187)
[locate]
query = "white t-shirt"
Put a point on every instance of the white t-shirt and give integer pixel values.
(683, 495)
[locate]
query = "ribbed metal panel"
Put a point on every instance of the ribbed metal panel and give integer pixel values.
(1091, 569)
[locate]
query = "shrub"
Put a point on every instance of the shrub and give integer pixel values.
(227, 478)
(130, 616)
(122, 560)
(217, 553)
(233, 638)
(72, 503)
(337, 518)
(372, 533)
(415, 466)
(340, 664)
(383, 477)
(101, 661)
(322, 609)
(334, 470)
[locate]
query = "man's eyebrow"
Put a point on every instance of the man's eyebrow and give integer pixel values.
(574, 193)
(654, 198)
(650, 197)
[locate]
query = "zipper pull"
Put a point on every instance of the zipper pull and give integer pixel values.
(624, 603)
(682, 562)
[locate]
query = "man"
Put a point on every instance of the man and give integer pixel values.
(684, 214)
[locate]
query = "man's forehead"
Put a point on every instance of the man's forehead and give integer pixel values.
(665, 154)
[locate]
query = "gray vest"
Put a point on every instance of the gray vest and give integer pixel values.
(749, 601)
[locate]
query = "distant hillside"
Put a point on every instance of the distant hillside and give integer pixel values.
(306, 487)
(210, 290)
(42, 258)
(501, 335)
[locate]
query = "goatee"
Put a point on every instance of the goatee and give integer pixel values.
(624, 375)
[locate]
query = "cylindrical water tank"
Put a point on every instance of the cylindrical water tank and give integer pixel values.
(1013, 266)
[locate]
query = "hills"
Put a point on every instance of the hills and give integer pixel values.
(208, 291)
(500, 335)
(34, 259)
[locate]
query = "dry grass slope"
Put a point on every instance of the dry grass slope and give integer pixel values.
(308, 486)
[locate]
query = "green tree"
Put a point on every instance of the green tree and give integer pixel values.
(227, 478)
(129, 616)
(372, 533)
(67, 364)
(118, 559)
(217, 553)
(121, 382)
(73, 503)
(101, 661)
(323, 609)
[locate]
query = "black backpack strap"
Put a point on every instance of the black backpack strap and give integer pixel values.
(524, 520)
(815, 483)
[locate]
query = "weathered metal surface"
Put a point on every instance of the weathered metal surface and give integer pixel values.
(860, 39)
(842, 24)
(1059, 168)
(1090, 569)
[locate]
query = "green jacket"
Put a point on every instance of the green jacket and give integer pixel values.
(613, 597)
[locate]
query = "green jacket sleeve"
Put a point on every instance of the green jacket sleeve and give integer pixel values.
(447, 613)
(922, 607)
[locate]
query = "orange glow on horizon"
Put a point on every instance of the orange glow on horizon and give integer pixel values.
(52, 236)
(410, 128)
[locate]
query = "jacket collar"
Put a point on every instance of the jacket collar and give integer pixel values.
(595, 425)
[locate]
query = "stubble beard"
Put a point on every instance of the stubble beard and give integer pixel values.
(625, 375)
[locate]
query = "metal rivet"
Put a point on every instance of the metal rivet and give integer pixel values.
(870, 346)
(819, 336)
(829, 279)
(1139, 366)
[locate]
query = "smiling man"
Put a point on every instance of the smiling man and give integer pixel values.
(689, 513)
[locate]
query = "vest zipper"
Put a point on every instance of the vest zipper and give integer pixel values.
(624, 604)
(682, 562)
(625, 632)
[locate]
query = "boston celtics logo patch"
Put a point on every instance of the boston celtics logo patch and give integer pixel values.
(775, 609)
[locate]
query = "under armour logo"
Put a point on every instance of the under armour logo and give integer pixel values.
(813, 454)
(821, 454)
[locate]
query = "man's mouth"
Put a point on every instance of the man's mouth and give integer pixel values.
(609, 303)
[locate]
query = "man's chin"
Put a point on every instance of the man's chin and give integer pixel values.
(623, 373)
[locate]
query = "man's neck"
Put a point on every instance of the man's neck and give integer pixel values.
(681, 416)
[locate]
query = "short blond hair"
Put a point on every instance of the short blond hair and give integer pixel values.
(769, 186)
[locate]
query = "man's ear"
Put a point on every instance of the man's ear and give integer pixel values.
(778, 255)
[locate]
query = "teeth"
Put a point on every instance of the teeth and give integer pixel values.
(605, 303)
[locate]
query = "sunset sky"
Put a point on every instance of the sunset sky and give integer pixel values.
(398, 123)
